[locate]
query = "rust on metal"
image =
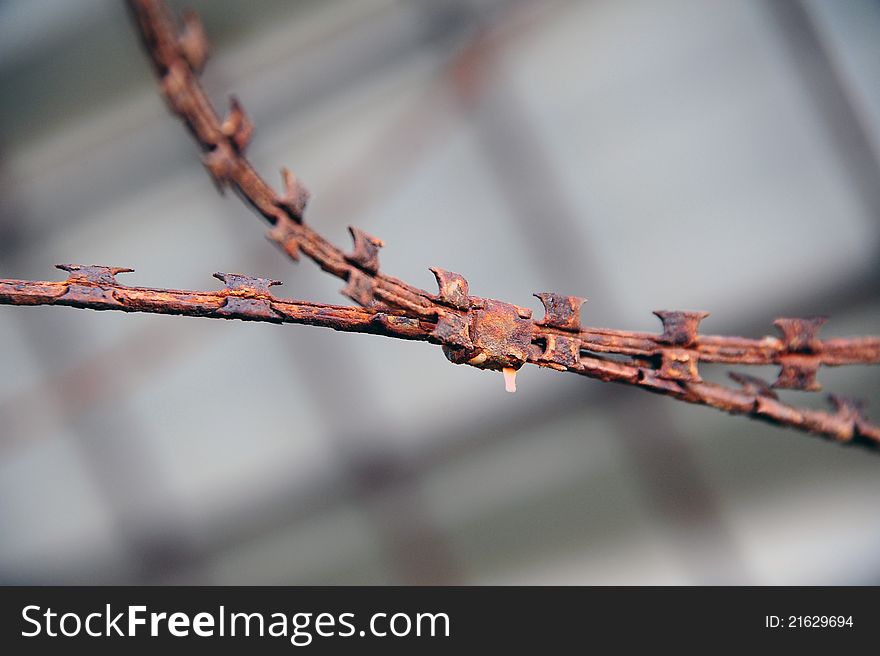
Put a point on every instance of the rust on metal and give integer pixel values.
(453, 289)
(220, 164)
(359, 288)
(799, 372)
(243, 297)
(284, 236)
(753, 385)
(295, 196)
(563, 312)
(800, 335)
(366, 250)
(490, 335)
(237, 127)
(88, 283)
(453, 332)
(679, 327)
(679, 364)
(560, 352)
(484, 333)
(248, 298)
(501, 335)
(193, 42)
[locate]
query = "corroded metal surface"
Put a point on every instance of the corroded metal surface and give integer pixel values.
(491, 334)
(480, 332)
(244, 298)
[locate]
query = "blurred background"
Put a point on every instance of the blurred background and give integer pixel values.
(719, 156)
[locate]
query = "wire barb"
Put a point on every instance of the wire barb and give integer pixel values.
(295, 196)
(679, 328)
(237, 127)
(563, 312)
(366, 250)
(193, 42)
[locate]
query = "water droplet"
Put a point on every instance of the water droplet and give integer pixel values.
(509, 379)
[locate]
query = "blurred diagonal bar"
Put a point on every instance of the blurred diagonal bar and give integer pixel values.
(813, 56)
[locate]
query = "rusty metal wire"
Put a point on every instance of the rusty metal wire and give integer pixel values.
(492, 334)
(249, 299)
(484, 333)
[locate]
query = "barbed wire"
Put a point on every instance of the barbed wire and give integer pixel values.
(250, 299)
(484, 333)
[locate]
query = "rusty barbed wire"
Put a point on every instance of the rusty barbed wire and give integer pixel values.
(95, 287)
(484, 333)
(493, 334)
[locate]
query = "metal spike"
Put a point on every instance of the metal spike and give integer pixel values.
(452, 331)
(244, 307)
(847, 407)
(561, 352)
(174, 85)
(295, 196)
(220, 163)
(798, 373)
(366, 250)
(560, 311)
(359, 287)
(97, 276)
(237, 126)
(237, 282)
(679, 327)
(453, 288)
(753, 385)
(679, 364)
(193, 42)
(93, 273)
(853, 410)
(282, 234)
(653, 379)
(800, 335)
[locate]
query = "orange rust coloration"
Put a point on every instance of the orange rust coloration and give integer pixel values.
(496, 335)
(484, 333)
